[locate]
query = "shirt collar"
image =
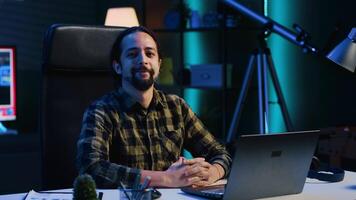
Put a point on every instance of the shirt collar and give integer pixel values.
(159, 99)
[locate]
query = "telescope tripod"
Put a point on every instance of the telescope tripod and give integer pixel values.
(262, 60)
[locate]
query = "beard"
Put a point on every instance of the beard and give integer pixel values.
(140, 84)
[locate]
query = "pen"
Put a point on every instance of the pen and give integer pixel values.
(137, 181)
(146, 183)
(100, 197)
(142, 188)
(124, 190)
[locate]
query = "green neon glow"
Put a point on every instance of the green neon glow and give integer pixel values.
(192, 97)
(280, 11)
(265, 7)
(194, 54)
(193, 48)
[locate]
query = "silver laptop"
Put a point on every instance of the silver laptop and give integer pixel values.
(266, 166)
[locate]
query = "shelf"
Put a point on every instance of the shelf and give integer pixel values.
(229, 46)
(209, 29)
(164, 30)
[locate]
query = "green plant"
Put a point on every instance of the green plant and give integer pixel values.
(84, 188)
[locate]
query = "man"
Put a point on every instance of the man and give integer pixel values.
(138, 131)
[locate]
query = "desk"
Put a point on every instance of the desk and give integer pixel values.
(313, 190)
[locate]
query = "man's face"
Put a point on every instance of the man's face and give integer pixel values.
(139, 60)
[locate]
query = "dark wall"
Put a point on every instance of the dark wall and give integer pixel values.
(332, 23)
(23, 23)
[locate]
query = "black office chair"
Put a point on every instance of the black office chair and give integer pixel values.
(76, 71)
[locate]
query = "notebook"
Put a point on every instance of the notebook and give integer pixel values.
(265, 166)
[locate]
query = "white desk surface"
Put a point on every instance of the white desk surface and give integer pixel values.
(313, 190)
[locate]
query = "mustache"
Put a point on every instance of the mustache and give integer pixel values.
(135, 70)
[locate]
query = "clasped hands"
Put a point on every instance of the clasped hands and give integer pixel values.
(196, 172)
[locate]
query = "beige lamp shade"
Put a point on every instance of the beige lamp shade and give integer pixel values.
(125, 16)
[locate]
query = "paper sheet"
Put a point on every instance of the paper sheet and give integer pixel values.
(33, 195)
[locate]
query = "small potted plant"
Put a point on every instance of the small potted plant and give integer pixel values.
(84, 188)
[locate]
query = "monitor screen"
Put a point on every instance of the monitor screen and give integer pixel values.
(7, 84)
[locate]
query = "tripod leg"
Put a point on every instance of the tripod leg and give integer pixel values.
(260, 94)
(281, 99)
(262, 66)
(265, 92)
(241, 99)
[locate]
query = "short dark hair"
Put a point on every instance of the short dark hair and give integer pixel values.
(116, 48)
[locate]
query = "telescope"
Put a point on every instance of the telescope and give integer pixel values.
(262, 60)
(343, 54)
(300, 37)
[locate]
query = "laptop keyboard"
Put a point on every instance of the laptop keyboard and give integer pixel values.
(218, 191)
(211, 192)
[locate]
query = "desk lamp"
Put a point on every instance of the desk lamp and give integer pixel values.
(344, 54)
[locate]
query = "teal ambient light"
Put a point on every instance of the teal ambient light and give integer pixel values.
(280, 48)
(193, 45)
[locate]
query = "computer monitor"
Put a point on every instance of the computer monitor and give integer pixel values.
(7, 87)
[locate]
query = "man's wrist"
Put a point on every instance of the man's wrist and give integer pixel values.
(158, 178)
(220, 171)
(166, 180)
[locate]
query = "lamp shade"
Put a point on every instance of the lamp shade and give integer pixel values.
(125, 16)
(344, 54)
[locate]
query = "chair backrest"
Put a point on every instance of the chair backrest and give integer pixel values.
(76, 71)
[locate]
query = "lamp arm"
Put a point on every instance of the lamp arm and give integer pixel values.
(300, 38)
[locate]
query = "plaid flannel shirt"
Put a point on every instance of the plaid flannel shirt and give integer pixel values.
(119, 137)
